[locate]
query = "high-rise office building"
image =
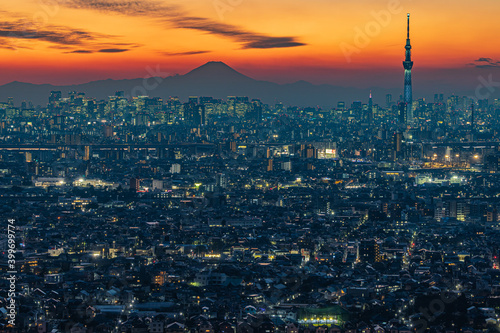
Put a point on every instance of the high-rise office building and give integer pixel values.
(388, 100)
(221, 180)
(398, 145)
(135, 183)
(369, 115)
(402, 112)
(472, 122)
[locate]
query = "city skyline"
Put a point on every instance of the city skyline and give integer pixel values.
(356, 45)
(232, 166)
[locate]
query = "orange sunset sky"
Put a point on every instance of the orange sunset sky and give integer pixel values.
(76, 41)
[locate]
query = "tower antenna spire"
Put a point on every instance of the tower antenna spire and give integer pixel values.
(408, 27)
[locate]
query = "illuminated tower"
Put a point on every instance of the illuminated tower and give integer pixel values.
(408, 64)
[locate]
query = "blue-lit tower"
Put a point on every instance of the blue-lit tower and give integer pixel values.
(408, 64)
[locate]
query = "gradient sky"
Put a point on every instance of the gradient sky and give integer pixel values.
(455, 43)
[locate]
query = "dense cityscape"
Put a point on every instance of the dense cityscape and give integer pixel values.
(208, 215)
(146, 215)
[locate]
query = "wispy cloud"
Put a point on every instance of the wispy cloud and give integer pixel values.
(7, 44)
(15, 34)
(248, 39)
(125, 7)
(80, 51)
(174, 16)
(485, 63)
(21, 29)
(113, 50)
(184, 53)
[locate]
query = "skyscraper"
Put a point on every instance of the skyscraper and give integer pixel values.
(388, 100)
(408, 64)
(472, 123)
(370, 108)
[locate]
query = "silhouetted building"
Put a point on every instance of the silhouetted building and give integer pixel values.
(369, 251)
(135, 183)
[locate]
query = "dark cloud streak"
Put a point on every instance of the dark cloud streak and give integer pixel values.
(13, 33)
(184, 53)
(173, 16)
(485, 63)
(80, 51)
(113, 50)
(54, 34)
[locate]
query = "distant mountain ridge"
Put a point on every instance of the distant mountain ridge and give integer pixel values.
(215, 79)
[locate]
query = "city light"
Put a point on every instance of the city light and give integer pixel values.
(216, 201)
